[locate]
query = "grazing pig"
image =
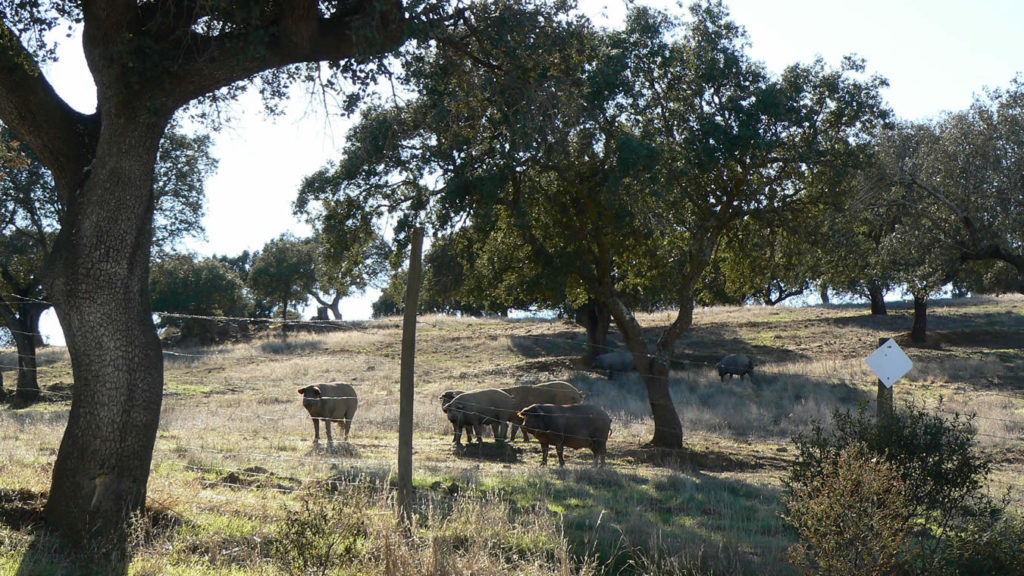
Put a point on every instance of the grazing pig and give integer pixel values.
(545, 393)
(615, 362)
(333, 402)
(576, 426)
(735, 364)
(480, 408)
(454, 417)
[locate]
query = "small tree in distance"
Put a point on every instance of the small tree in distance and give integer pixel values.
(203, 288)
(283, 272)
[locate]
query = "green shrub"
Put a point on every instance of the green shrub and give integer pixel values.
(937, 458)
(984, 545)
(900, 497)
(853, 518)
(321, 536)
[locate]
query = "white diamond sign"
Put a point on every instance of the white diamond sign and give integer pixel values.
(889, 362)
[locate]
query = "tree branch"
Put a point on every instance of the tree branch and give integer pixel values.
(212, 63)
(62, 137)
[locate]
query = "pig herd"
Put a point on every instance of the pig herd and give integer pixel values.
(552, 412)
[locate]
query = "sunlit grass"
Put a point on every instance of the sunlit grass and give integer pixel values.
(234, 451)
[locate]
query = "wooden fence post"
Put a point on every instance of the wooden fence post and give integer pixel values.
(885, 408)
(406, 385)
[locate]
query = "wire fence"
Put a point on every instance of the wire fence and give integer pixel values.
(1005, 429)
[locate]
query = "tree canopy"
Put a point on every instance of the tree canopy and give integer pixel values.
(612, 161)
(963, 174)
(189, 291)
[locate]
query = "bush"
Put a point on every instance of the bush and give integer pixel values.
(985, 545)
(322, 536)
(854, 518)
(899, 497)
(937, 458)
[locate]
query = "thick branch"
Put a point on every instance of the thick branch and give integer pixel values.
(212, 63)
(61, 137)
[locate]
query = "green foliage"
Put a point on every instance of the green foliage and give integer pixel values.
(452, 283)
(767, 262)
(350, 252)
(853, 517)
(186, 285)
(986, 277)
(323, 535)
(184, 163)
(955, 180)
(283, 272)
(938, 458)
(985, 545)
(901, 496)
(573, 158)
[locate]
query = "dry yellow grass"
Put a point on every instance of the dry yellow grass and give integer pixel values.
(234, 452)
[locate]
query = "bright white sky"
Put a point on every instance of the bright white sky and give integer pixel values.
(937, 54)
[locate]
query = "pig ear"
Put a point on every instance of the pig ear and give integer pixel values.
(302, 390)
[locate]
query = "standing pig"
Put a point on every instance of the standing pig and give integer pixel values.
(446, 397)
(576, 426)
(480, 408)
(556, 392)
(615, 362)
(737, 364)
(333, 402)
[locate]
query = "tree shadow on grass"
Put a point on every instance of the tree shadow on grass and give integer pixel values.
(668, 522)
(774, 406)
(288, 347)
(701, 346)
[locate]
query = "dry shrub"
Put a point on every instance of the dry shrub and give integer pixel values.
(853, 518)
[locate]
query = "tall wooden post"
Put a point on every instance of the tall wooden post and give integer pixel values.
(885, 408)
(406, 386)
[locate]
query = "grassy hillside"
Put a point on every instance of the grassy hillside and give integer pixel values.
(237, 487)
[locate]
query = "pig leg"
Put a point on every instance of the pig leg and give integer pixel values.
(544, 451)
(560, 448)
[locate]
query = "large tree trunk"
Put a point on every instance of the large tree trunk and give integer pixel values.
(24, 326)
(653, 369)
(877, 297)
(28, 380)
(597, 320)
(100, 290)
(919, 333)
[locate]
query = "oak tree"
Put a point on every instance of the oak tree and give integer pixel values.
(30, 216)
(147, 60)
(615, 160)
